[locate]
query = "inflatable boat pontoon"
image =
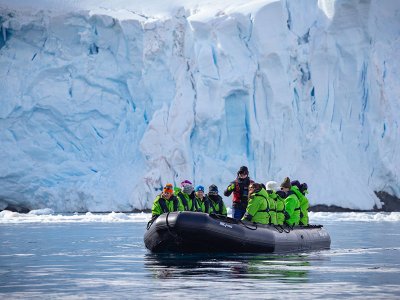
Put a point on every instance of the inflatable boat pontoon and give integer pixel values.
(199, 232)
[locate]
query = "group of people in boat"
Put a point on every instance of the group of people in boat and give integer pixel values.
(271, 203)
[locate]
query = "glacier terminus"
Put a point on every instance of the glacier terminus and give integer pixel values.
(103, 102)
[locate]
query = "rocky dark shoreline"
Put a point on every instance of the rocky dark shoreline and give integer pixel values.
(390, 204)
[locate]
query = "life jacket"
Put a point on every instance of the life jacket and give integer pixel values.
(203, 203)
(271, 207)
(272, 211)
(213, 205)
(281, 214)
(261, 215)
(304, 204)
(164, 206)
(185, 203)
(292, 217)
(241, 195)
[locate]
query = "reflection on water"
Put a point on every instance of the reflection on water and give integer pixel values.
(285, 268)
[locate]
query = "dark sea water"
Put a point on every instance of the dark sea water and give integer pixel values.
(91, 260)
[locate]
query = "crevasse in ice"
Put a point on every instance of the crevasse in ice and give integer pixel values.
(103, 102)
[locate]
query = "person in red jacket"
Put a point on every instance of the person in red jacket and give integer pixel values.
(240, 189)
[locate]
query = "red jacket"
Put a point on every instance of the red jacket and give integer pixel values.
(241, 191)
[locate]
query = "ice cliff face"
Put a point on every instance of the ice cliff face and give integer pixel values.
(99, 109)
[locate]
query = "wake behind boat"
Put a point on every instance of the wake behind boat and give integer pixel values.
(200, 232)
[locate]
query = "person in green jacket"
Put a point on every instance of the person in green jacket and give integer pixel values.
(280, 207)
(292, 203)
(297, 189)
(257, 208)
(271, 210)
(304, 205)
(202, 202)
(165, 202)
(217, 205)
(187, 196)
(176, 190)
(274, 193)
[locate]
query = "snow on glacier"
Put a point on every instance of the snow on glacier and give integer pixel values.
(103, 102)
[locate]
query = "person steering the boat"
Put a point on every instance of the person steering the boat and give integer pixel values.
(217, 205)
(166, 202)
(257, 208)
(240, 189)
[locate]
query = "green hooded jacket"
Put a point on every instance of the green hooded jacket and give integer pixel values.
(256, 210)
(217, 205)
(304, 204)
(187, 202)
(208, 206)
(280, 210)
(292, 208)
(202, 205)
(171, 204)
(272, 210)
(279, 207)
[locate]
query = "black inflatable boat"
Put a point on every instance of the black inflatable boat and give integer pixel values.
(199, 232)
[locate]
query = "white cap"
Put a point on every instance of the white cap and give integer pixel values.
(272, 186)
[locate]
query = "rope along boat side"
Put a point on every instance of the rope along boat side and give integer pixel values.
(199, 232)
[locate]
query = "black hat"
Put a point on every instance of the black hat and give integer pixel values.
(303, 187)
(281, 194)
(296, 183)
(243, 170)
(213, 189)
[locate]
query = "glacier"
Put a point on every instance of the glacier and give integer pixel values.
(103, 102)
